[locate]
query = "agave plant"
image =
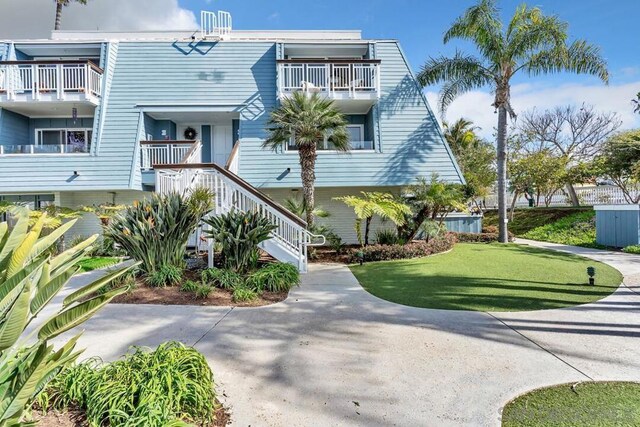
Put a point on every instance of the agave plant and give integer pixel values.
(239, 234)
(29, 279)
(156, 230)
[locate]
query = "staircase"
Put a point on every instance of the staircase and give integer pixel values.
(288, 242)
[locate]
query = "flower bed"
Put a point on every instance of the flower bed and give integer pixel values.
(410, 250)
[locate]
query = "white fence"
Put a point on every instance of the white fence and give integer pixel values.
(212, 25)
(351, 78)
(39, 78)
(596, 195)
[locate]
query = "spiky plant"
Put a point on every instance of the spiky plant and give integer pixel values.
(369, 205)
(307, 120)
(530, 43)
(29, 279)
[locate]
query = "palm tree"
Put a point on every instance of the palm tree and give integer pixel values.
(59, 5)
(307, 121)
(366, 207)
(531, 43)
(461, 135)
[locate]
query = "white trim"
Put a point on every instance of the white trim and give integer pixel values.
(616, 207)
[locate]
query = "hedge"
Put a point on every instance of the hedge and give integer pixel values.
(410, 250)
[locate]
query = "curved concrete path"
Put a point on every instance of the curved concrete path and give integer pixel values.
(332, 354)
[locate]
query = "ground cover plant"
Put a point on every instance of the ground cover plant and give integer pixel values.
(527, 219)
(578, 229)
(169, 386)
(489, 277)
(587, 404)
(95, 263)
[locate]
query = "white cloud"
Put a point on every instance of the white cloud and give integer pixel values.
(476, 105)
(35, 18)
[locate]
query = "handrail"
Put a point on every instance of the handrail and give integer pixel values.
(242, 183)
(327, 61)
(232, 155)
(166, 141)
(195, 152)
(55, 62)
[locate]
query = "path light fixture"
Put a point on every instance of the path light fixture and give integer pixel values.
(360, 256)
(591, 272)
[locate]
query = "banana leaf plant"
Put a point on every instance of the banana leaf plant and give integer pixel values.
(29, 279)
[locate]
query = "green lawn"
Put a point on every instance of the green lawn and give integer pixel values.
(95, 263)
(489, 277)
(586, 404)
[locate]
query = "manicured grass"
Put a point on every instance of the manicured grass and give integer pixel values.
(585, 404)
(95, 263)
(568, 226)
(489, 277)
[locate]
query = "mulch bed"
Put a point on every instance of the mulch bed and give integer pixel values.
(172, 295)
(323, 254)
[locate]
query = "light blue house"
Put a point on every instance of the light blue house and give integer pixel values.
(85, 116)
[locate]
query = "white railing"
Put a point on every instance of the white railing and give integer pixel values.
(57, 80)
(212, 25)
(332, 78)
(169, 153)
(230, 192)
(6, 150)
(233, 162)
(588, 196)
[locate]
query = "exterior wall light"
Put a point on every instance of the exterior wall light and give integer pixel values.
(591, 272)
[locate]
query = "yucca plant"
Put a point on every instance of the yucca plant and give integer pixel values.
(29, 279)
(156, 230)
(239, 234)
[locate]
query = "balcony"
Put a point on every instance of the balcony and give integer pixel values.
(354, 84)
(156, 153)
(49, 81)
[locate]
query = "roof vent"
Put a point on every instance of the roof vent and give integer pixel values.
(215, 25)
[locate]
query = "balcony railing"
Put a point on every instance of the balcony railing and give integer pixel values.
(50, 80)
(42, 149)
(169, 153)
(352, 77)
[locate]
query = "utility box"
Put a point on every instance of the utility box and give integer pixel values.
(463, 223)
(617, 225)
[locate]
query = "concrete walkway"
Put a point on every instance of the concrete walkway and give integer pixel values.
(332, 354)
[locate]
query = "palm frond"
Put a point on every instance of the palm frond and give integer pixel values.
(460, 66)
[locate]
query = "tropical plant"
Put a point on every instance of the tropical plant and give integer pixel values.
(244, 294)
(620, 160)
(169, 386)
(461, 136)
(222, 278)
(189, 286)
(306, 121)
(334, 241)
(369, 205)
(274, 277)
(299, 208)
(239, 233)
(156, 230)
(29, 279)
(531, 43)
(104, 211)
(387, 236)
(203, 291)
(429, 199)
(59, 5)
(431, 229)
(167, 275)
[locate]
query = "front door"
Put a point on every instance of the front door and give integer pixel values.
(222, 143)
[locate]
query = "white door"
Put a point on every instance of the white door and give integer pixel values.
(222, 143)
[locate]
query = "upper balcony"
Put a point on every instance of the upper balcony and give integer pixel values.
(23, 82)
(354, 84)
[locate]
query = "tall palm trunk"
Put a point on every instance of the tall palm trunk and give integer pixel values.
(58, 15)
(502, 173)
(308, 157)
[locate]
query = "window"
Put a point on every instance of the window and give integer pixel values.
(63, 140)
(356, 141)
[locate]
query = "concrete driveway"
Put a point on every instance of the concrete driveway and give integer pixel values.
(332, 354)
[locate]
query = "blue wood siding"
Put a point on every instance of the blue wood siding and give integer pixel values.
(14, 129)
(4, 51)
(617, 228)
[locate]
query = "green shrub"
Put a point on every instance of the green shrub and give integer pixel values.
(431, 229)
(578, 229)
(409, 250)
(334, 241)
(29, 279)
(239, 233)
(244, 294)
(276, 277)
(156, 230)
(387, 237)
(146, 388)
(167, 275)
(95, 263)
(222, 278)
(203, 291)
(189, 286)
(480, 237)
(633, 249)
